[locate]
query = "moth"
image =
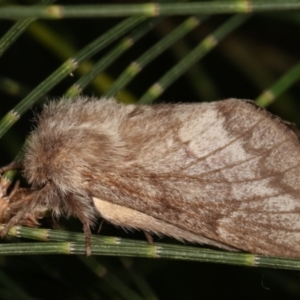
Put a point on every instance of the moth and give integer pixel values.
(224, 173)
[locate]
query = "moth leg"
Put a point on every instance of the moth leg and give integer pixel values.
(19, 208)
(14, 189)
(87, 232)
(4, 210)
(88, 235)
(80, 207)
(6, 199)
(15, 220)
(100, 226)
(149, 238)
(12, 166)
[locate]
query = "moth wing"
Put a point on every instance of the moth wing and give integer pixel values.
(230, 175)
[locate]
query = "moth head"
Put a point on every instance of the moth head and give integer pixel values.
(66, 161)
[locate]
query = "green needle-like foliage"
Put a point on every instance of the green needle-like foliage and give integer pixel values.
(164, 51)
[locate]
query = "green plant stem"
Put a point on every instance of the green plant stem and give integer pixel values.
(279, 87)
(157, 251)
(17, 29)
(65, 69)
(108, 59)
(73, 243)
(146, 9)
(137, 66)
(203, 48)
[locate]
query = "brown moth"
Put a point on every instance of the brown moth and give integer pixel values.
(224, 173)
